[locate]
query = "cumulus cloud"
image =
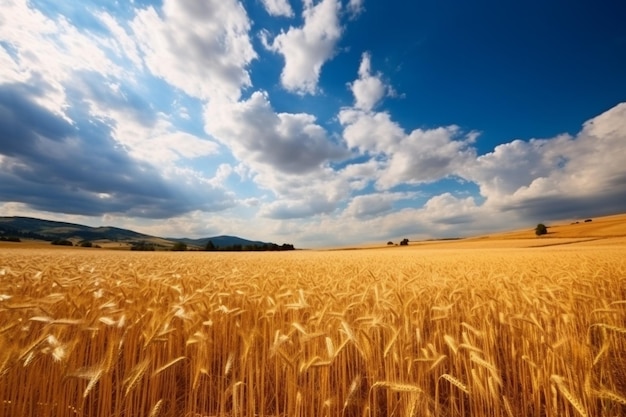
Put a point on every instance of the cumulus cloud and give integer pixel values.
(318, 192)
(447, 209)
(53, 164)
(424, 155)
(306, 49)
(286, 142)
(369, 205)
(427, 156)
(278, 7)
(367, 132)
(368, 89)
(315, 205)
(561, 176)
(203, 47)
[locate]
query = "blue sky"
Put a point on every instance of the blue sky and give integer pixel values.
(313, 122)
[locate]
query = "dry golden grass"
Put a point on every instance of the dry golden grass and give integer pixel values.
(601, 231)
(419, 331)
(600, 227)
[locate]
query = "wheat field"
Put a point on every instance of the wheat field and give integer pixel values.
(416, 331)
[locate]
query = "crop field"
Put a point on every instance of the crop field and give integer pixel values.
(439, 330)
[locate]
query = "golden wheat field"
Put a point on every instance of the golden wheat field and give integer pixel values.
(441, 330)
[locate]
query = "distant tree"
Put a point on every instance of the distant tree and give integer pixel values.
(179, 247)
(404, 242)
(541, 229)
(10, 239)
(390, 243)
(210, 246)
(62, 242)
(86, 244)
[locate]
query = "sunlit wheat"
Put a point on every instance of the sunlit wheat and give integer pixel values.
(514, 332)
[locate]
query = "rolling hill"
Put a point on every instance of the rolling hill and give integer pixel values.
(48, 230)
(218, 241)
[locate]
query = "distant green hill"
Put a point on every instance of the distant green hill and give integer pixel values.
(32, 228)
(219, 241)
(51, 230)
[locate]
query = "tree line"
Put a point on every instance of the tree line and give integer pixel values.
(211, 247)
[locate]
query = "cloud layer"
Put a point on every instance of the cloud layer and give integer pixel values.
(54, 165)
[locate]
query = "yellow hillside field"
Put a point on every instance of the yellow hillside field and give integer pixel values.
(425, 330)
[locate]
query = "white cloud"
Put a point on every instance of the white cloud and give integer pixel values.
(121, 44)
(48, 53)
(169, 147)
(315, 205)
(513, 165)
(424, 155)
(80, 82)
(369, 132)
(369, 205)
(307, 48)
(556, 178)
(560, 175)
(355, 7)
(368, 90)
(203, 47)
(145, 134)
(289, 143)
(278, 7)
(421, 156)
(221, 174)
(427, 156)
(318, 192)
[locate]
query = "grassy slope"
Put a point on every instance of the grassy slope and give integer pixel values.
(607, 230)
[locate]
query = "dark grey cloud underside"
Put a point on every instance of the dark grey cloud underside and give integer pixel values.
(54, 165)
(611, 201)
(458, 219)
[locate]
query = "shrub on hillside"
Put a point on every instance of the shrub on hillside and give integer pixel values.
(179, 247)
(142, 246)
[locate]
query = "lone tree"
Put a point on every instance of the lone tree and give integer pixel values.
(404, 242)
(541, 229)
